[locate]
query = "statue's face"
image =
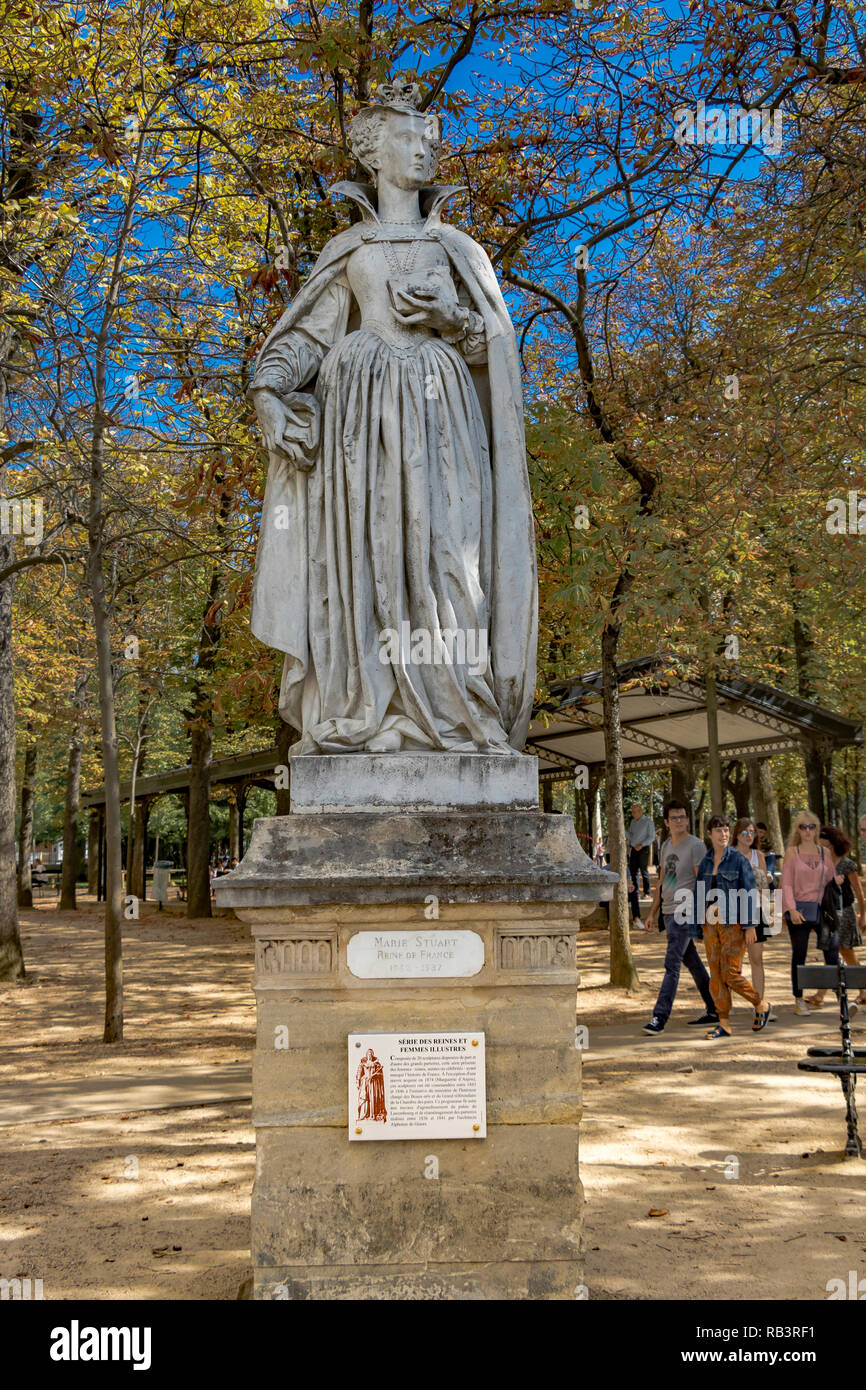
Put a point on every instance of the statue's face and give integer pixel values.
(404, 151)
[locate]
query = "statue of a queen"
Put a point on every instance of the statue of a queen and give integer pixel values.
(396, 557)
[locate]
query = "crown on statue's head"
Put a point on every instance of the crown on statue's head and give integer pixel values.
(399, 96)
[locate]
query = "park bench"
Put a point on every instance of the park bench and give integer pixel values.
(847, 1062)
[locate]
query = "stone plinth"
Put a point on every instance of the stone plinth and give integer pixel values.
(414, 782)
(338, 1220)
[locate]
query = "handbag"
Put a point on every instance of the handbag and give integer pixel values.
(810, 912)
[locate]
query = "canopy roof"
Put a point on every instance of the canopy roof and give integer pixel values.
(663, 712)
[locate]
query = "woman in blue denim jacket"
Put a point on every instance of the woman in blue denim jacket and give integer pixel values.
(726, 902)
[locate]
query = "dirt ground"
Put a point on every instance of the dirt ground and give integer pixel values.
(153, 1204)
(739, 1152)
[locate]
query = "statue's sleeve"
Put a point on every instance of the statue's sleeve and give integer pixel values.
(292, 358)
(472, 342)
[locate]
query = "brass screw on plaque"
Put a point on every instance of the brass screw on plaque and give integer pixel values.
(474, 1042)
(360, 1131)
(476, 1126)
(357, 1044)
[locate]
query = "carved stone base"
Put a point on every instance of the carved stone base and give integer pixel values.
(414, 782)
(492, 1218)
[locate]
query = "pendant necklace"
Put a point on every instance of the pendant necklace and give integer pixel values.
(397, 266)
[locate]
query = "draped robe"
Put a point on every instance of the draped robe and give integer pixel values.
(416, 512)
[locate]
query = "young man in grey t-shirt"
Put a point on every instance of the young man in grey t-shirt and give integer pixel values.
(680, 856)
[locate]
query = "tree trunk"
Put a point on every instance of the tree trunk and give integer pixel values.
(814, 764)
(682, 784)
(547, 798)
(771, 805)
(286, 736)
(73, 799)
(738, 786)
(717, 799)
(25, 829)
(93, 854)
(101, 605)
(234, 827)
(70, 824)
(831, 798)
(138, 869)
(242, 810)
(596, 827)
(113, 1031)
(200, 725)
(198, 837)
(784, 818)
(756, 795)
(622, 967)
(11, 956)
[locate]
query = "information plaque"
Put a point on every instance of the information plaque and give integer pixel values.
(388, 955)
(417, 1086)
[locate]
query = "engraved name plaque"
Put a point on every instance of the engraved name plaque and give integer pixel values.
(387, 955)
(417, 1086)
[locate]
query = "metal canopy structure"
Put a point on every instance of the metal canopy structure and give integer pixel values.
(663, 715)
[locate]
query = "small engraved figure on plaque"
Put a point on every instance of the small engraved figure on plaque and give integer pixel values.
(370, 1080)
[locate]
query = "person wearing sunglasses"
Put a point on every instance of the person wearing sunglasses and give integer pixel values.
(806, 871)
(851, 931)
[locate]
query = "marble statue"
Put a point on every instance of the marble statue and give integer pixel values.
(396, 557)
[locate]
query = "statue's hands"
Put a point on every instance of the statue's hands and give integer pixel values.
(434, 309)
(289, 425)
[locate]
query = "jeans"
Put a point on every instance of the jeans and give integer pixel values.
(638, 863)
(800, 948)
(681, 951)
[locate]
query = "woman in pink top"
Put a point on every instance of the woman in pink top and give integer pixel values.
(806, 871)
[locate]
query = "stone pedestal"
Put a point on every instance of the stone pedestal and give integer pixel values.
(484, 1218)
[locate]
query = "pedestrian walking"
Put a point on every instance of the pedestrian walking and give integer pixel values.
(726, 884)
(680, 855)
(765, 845)
(836, 843)
(640, 835)
(806, 870)
(743, 837)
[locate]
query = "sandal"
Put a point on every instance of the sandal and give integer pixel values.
(717, 1032)
(761, 1020)
(814, 1002)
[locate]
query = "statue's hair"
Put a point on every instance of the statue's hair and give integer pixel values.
(368, 126)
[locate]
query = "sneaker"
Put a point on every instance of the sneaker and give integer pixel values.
(638, 924)
(705, 1019)
(801, 1007)
(853, 1010)
(655, 1026)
